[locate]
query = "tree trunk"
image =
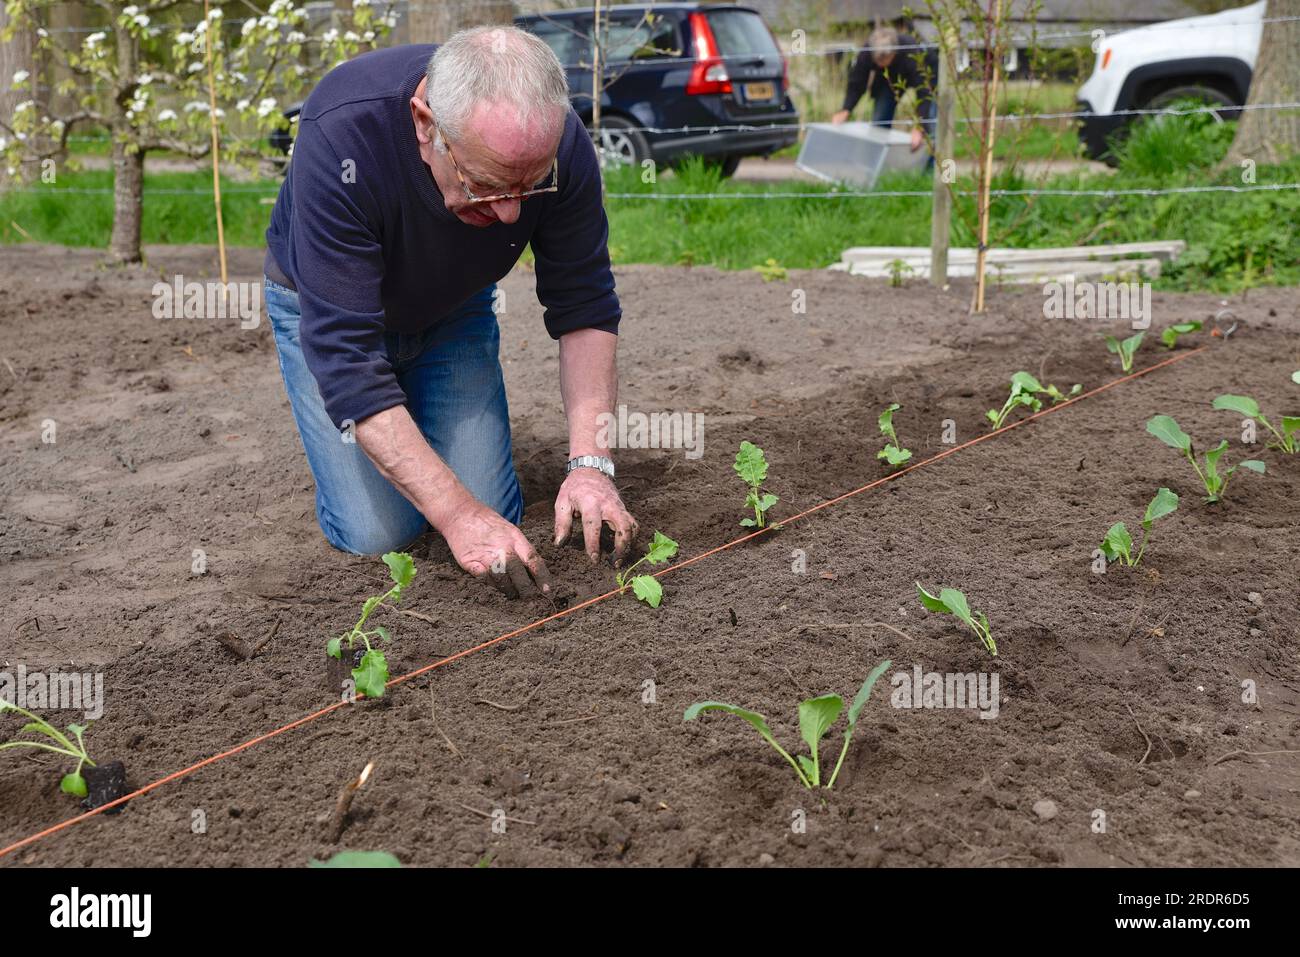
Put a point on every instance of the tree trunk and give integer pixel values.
(436, 22)
(1272, 136)
(18, 54)
(128, 204)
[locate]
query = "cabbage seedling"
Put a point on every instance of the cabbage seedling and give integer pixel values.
(371, 674)
(647, 587)
(1025, 390)
(1118, 543)
(816, 715)
(893, 452)
(1125, 349)
(751, 465)
(72, 747)
(952, 602)
(1165, 429)
(1245, 405)
(1170, 336)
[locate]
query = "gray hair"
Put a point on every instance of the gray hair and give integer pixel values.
(501, 64)
(883, 40)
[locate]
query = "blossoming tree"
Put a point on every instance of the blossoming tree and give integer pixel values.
(143, 81)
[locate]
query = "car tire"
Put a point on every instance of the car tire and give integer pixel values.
(620, 143)
(1194, 91)
(726, 165)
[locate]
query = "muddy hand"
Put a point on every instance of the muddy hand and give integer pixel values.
(487, 546)
(590, 496)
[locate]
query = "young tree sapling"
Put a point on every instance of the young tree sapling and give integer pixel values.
(1125, 349)
(952, 602)
(816, 715)
(1245, 405)
(1165, 429)
(72, 747)
(893, 452)
(751, 466)
(1118, 543)
(647, 587)
(371, 674)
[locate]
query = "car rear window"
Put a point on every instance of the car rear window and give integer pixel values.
(741, 33)
(628, 36)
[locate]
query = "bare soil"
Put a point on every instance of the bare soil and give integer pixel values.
(1121, 693)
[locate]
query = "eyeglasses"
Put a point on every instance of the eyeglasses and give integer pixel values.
(501, 197)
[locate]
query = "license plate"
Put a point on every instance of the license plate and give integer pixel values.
(760, 91)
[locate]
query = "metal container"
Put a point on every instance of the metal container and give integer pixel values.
(857, 153)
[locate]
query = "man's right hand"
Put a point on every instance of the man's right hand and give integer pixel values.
(841, 117)
(487, 546)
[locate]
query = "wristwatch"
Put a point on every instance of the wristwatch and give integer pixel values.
(600, 462)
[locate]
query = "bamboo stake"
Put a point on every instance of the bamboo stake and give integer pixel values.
(993, 51)
(216, 149)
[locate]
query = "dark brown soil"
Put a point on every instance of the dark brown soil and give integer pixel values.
(1121, 693)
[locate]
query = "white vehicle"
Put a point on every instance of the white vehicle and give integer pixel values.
(1208, 58)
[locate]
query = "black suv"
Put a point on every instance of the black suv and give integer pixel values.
(674, 65)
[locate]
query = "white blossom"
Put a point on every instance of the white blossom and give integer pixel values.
(194, 106)
(243, 105)
(141, 20)
(296, 36)
(184, 38)
(390, 20)
(330, 35)
(266, 107)
(166, 116)
(21, 77)
(279, 6)
(368, 35)
(42, 33)
(144, 79)
(94, 40)
(249, 26)
(215, 14)
(360, 3)
(268, 23)
(194, 67)
(351, 37)
(130, 11)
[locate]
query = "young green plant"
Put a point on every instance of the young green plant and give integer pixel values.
(816, 715)
(1025, 390)
(952, 602)
(1170, 336)
(893, 452)
(1118, 543)
(371, 674)
(1245, 405)
(1125, 349)
(71, 747)
(647, 587)
(1165, 429)
(751, 466)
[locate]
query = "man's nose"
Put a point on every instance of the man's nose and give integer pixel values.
(506, 210)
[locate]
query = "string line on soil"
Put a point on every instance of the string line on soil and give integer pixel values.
(572, 609)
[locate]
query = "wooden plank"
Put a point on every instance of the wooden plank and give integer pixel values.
(1038, 272)
(1163, 249)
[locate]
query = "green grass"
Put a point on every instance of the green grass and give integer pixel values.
(1236, 240)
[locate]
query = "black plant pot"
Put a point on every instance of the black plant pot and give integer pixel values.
(339, 670)
(104, 783)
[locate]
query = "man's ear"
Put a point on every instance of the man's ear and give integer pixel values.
(422, 117)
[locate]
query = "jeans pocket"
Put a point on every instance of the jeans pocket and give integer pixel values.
(283, 309)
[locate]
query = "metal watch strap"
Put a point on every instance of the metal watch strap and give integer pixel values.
(598, 462)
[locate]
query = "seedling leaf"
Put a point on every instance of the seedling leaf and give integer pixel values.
(401, 567)
(1295, 377)
(955, 602)
(860, 699)
(929, 601)
(1242, 404)
(334, 648)
(1160, 506)
(74, 784)
(751, 464)
(894, 455)
(372, 674)
(661, 549)
(648, 589)
(886, 420)
(1170, 336)
(1165, 429)
(1255, 465)
(754, 718)
(1118, 543)
(358, 859)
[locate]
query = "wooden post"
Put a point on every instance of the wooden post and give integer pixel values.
(941, 205)
(597, 74)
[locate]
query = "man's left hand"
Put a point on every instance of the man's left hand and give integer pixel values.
(590, 495)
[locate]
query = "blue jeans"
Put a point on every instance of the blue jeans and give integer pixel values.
(883, 109)
(455, 393)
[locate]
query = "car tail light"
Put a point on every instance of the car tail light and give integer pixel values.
(709, 74)
(1105, 58)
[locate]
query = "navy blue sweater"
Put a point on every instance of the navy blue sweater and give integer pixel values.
(383, 254)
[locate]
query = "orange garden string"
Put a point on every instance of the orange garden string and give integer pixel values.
(572, 609)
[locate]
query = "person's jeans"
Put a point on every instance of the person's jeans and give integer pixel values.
(883, 109)
(455, 393)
